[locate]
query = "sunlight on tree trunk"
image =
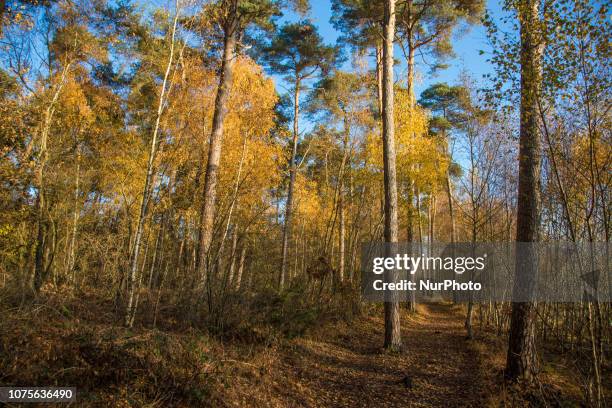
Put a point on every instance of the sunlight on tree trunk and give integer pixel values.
(522, 359)
(132, 287)
(214, 150)
(292, 175)
(393, 339)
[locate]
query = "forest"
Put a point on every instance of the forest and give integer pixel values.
(186, 187)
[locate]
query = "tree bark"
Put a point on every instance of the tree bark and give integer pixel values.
(75, 218)
(207, 212)
(341, 238)
(521, 360)
(410, 295)
(341, 215)
(410, 75)
(451, 212)
(393, 340)
(232, 265)
(379, 77)
(156, 247)
(240, 266)
(417, 194)
(432, 218)
(451, 208)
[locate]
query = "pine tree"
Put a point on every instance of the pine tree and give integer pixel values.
(521, 360)
(297, 51)
(393, 340)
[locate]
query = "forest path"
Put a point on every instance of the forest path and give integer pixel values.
(350, 370)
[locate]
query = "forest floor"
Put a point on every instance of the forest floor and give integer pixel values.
(438, 366)
(64, 340)
(344, 365)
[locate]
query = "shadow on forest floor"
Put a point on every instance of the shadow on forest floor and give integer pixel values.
(337, 364)
(438, 366)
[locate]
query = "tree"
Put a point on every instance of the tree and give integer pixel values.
(360, 21)
(297, 51)
(445, 102)
(427, 27)
(344, 100)
(423, 26)
(521, 362)
(393, 340)
(144, 206)
(234, 17)
(481, 144)
(71, 44)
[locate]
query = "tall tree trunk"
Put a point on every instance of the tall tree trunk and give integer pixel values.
(432, 218)
(521, 360)
(207, 212)
(341, 238)
(451, 208)
(411, 298)
(341, 215)
(232, 264)
(379, 76)
(292, 175)
(410, 295)
(417, 193)
(470, 306)
(451, 212)
(180, 264)
(298, 242)
(130, 311)
(240, 266)
(75, 218)
(409, 213)
(158, 244)
(410, 74)
(393, 339)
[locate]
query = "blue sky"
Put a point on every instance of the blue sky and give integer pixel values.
(466, 46)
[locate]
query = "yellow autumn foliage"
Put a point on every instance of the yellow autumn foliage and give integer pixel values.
(246, 131)
(420, 157)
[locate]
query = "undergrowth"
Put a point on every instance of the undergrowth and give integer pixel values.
(63, 338)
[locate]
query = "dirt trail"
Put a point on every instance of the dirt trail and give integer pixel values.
(350, 370)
